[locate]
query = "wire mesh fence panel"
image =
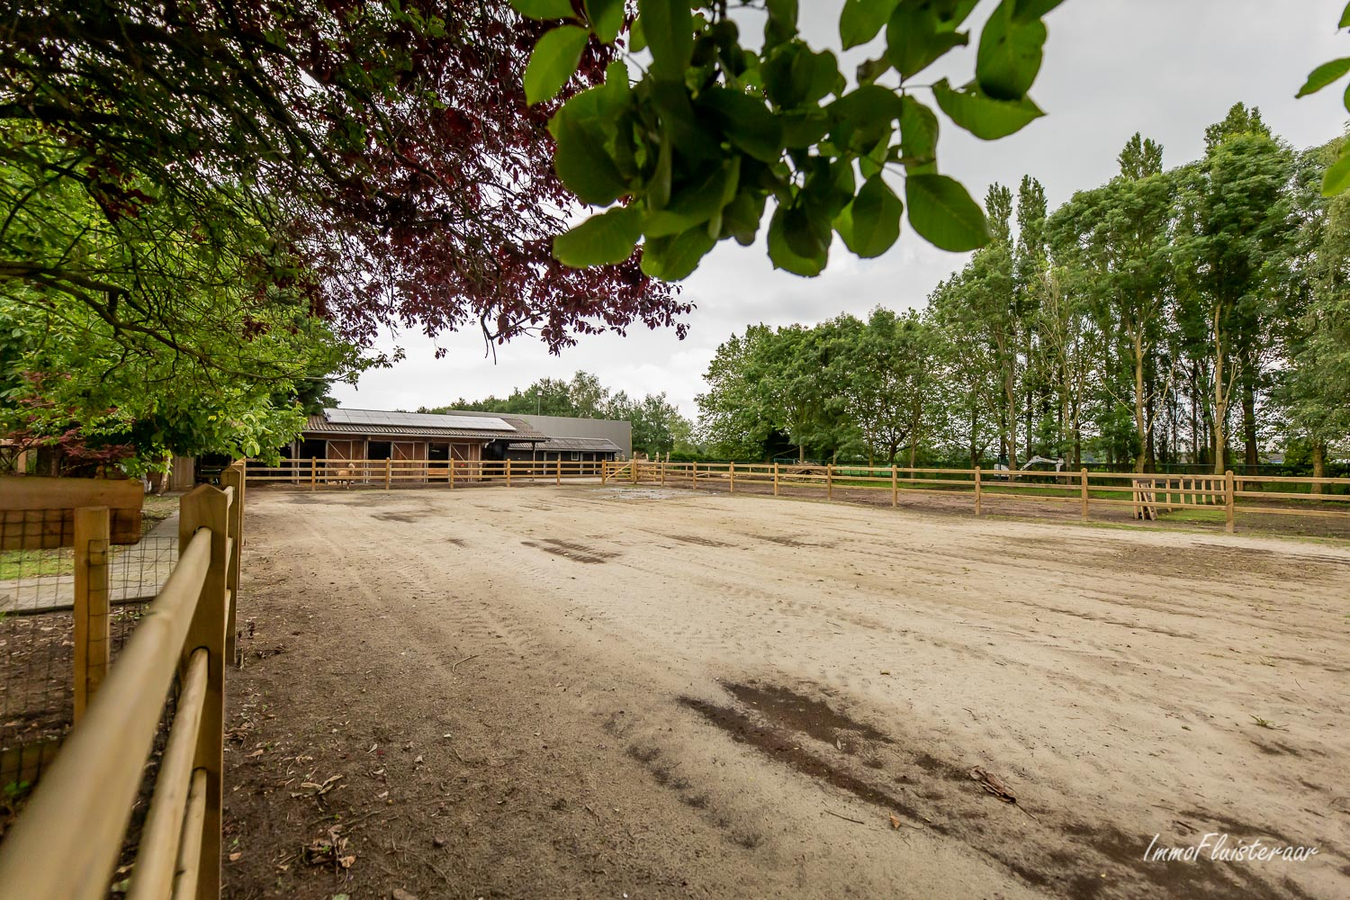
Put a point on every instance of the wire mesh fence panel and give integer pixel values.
(43, 580)
(39, 571)
(36, 678)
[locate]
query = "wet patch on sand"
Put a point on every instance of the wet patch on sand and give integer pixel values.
(817, 718)
(816, 739)
(573, 551)
(700, 541)
(786, 540)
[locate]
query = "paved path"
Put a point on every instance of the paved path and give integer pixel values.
(138, 570)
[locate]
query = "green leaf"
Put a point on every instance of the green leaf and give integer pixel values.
(1324, 75)
(676, 257)
(606, 18)
(942, 212)
(915, 38)
(583, 129)
(553, 61)
(1345, 18)
(543, 9)
(795, 76)
(982, 115)
(781, 24)
(784, 257)
(695, 201)
(873, 69)
(601, 240)
(1337, 178)
(742, 216)
(671, 100)
(863, 20)
(803, 128)
(669, 29)
(1010, 54)
(746, 122)
(1026, 10)
(918, 135)
(863, 116)
(870, 225)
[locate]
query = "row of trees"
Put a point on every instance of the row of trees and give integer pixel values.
(1189, 315)
(658, 426)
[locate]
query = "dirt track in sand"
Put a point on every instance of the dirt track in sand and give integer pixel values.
(597, 691)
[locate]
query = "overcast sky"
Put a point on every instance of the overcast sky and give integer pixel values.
(1166, 68)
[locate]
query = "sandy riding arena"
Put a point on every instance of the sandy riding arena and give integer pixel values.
(605, 692)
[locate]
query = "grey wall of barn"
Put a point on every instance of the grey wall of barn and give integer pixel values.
(620, 432)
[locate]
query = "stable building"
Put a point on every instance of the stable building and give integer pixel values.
(368, 435)
(567, 449)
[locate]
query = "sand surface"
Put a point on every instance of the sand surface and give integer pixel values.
(592, 691)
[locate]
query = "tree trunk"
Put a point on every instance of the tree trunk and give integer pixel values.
(1249, 420)
(1319, 461)
(1139, 428)
(1220, 399)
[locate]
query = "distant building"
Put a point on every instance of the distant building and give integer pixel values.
(377, 435)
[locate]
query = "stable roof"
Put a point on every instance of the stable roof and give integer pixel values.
(384, 423)
(576, 445)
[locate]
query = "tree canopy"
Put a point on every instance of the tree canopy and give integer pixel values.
(716, 130)
(1193, 316)
(226, 199)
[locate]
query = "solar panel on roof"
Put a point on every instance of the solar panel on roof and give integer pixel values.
(376, 417)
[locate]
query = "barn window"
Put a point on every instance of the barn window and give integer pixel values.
(576, 457)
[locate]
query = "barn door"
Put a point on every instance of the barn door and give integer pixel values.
(405, 452)
(340, 466)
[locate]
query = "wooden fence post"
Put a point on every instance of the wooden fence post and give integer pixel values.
(508, 473)
(978, 498)
(1230, 511)
(829, 481)
(895, 487)
(452, 470)
(663, 472)
(207, 507)
(234, 477)
(732, 472)
(388, 472)
(694, 472)
(92, 531)
(557, 480)
(1083, 476)
(313, 472)
(775, 479)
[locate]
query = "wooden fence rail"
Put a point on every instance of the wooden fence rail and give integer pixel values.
(329, 473)
(67, 840)
(1146, 495)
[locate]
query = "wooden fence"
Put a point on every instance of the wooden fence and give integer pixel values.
(67, 840)
(341, 473)
(1146, 494)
